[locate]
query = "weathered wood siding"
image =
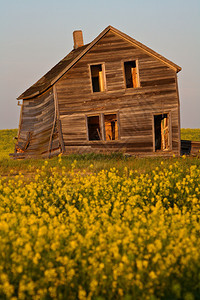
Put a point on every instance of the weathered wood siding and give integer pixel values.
(157, 94)
(37, 121)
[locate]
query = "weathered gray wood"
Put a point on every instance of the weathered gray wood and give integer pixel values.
(38, 121)
(57, 118)
(157, 94)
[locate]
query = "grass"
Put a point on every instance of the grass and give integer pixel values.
(97, 226)
(190, 134)
(84, 161)
(7, 142)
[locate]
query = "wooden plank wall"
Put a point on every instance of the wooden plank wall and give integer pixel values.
(157, 94)
(190, 148)
(37, 119)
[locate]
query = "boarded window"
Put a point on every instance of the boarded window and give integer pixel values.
(97, 78)
(131, 74)
(111, 127)
(161, 128)
(94, 132)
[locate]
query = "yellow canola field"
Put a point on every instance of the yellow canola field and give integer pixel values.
(81, 235)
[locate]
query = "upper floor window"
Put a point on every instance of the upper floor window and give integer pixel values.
(131, 74)
(97, 75)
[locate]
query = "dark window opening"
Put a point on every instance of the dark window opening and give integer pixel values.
(97, 78)
(94, 132)
(161, 128)
(111, 127)
(131, 74)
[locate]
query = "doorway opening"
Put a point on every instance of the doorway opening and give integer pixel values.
(161, 132)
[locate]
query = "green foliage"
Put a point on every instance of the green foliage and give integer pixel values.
(190, 134)
(99, 161)
(7, 142)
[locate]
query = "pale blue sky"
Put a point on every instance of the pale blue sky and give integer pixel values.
(36, 34)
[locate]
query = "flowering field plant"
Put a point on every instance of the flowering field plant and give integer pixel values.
(68, 233)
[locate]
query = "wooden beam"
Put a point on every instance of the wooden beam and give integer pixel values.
(20, 124)
(60, 135)
(53, 127)
(179, 121)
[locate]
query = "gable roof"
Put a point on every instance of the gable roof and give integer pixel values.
(68, 61)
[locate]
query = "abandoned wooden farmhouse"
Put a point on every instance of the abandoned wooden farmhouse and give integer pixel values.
(113, 94)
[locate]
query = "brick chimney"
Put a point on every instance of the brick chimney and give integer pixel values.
(78, 38)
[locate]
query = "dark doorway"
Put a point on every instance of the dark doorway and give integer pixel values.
(161, 131)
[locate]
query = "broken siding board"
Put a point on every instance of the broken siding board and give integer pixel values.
(59, 125)
(37, 118)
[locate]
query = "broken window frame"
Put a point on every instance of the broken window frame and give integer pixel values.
(169, 132)
(137, 74)
(116, 129)
(103, 77)
(100, 134)
(102, 126)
